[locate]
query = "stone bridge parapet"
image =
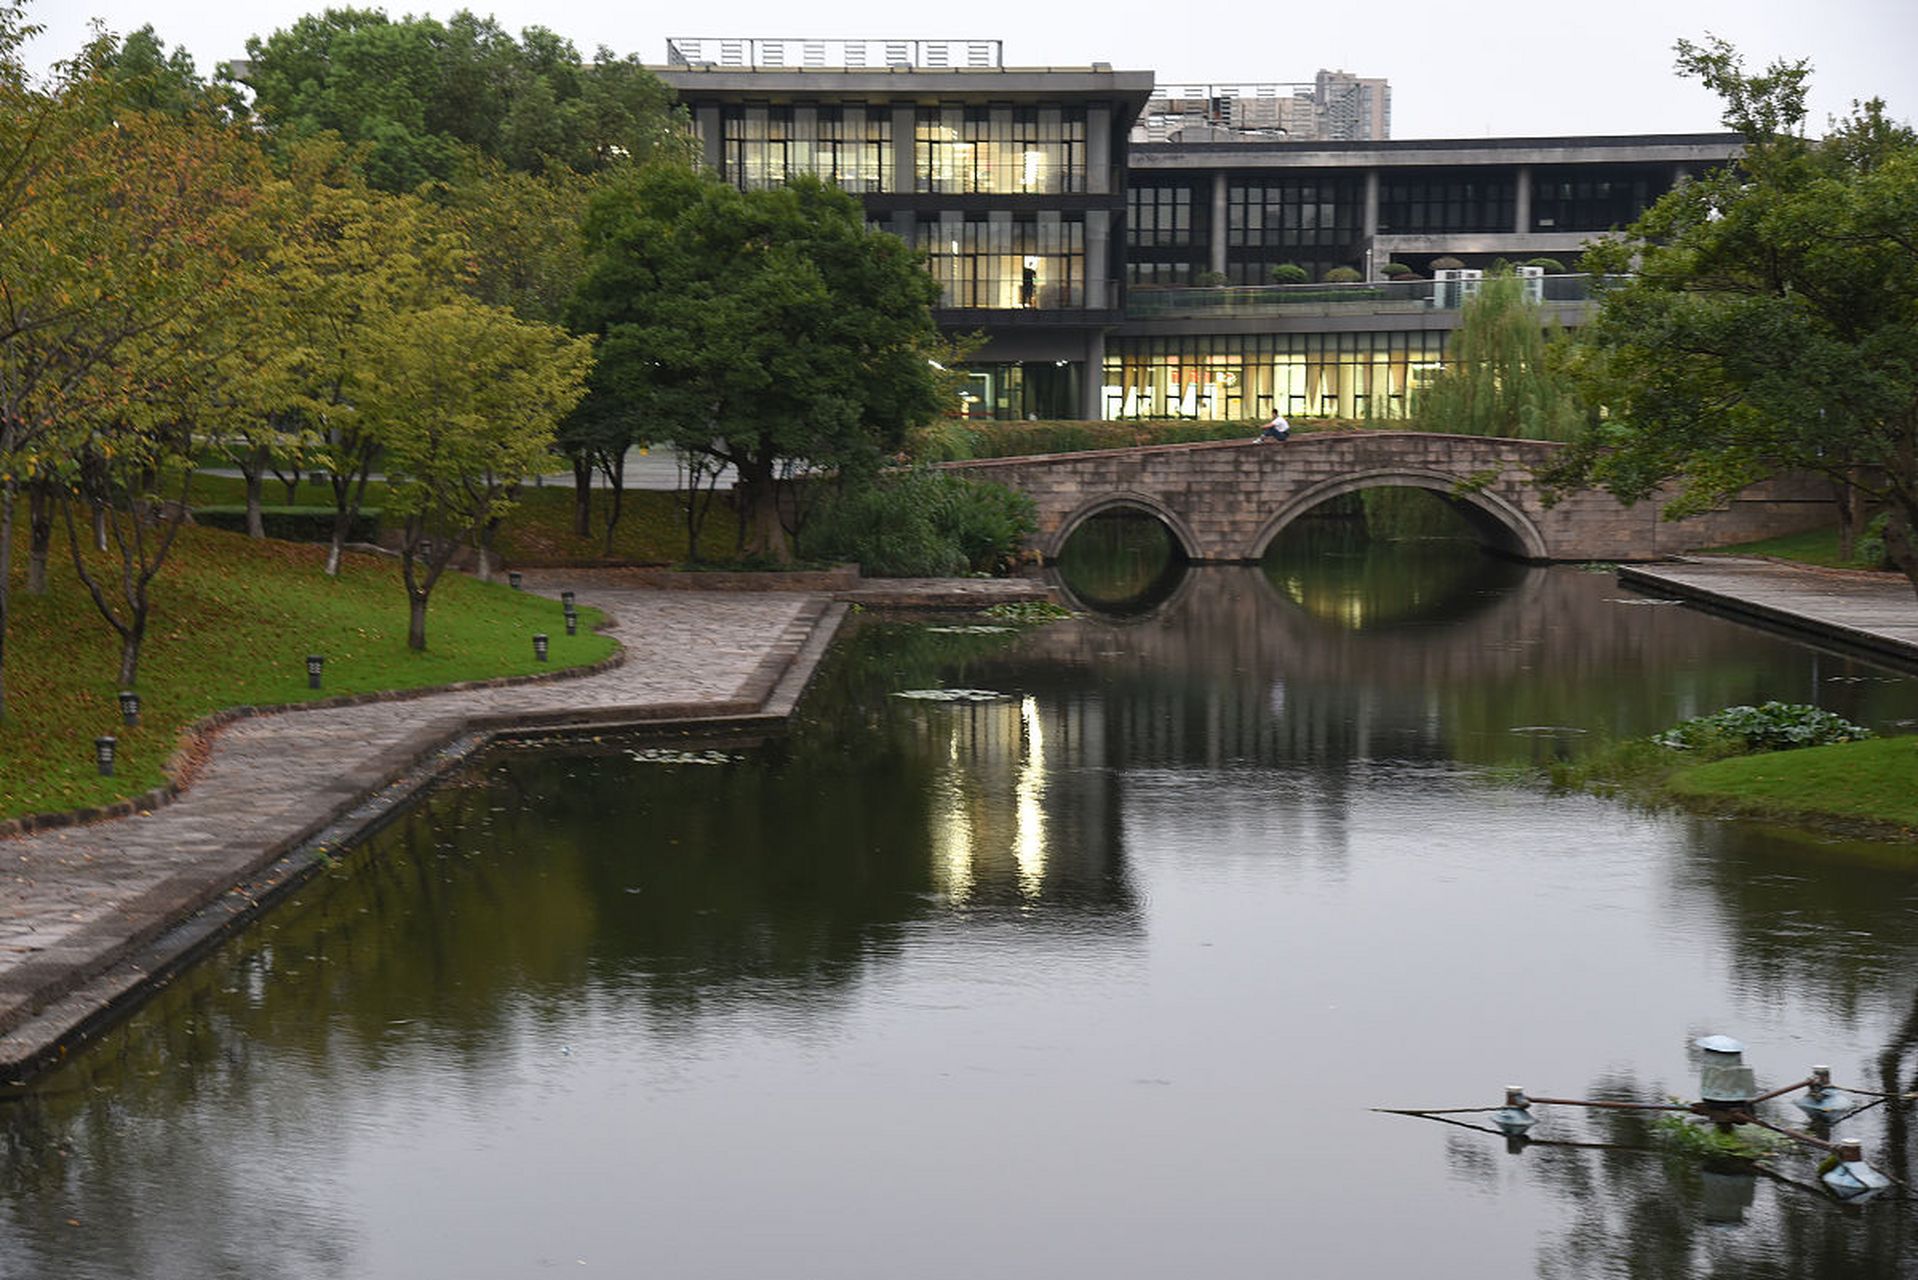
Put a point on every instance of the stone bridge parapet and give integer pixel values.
(1226, 500)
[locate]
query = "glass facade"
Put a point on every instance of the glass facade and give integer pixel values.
(1315, 222)
(1457, 200)
(1042, 389)
(846, 144)
(1000, 150)
(1167, 231)
(1007, 260)
(1235, 377)
(1577, 200)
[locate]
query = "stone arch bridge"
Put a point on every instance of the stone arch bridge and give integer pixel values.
(1226, 500)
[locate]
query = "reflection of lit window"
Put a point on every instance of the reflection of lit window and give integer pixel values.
(1029, 839)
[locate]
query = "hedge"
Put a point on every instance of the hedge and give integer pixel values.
(292, 524)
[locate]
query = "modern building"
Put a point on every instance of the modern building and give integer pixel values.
(1336, 107)
(1114, 277)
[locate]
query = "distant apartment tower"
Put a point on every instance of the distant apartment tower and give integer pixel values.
(1336, 107)
(1352, 108)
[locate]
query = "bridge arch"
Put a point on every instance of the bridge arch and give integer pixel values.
(1503, 524)
(1124, 500)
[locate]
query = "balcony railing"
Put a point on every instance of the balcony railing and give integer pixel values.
(1384, 297)
(731, 51)
(1010, 299)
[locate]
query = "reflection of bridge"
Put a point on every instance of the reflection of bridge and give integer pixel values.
(1226, 500)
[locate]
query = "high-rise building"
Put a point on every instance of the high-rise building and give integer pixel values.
(1336, 107)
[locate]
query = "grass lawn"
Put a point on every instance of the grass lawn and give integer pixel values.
(1814, 546)
(1874, 782)
(232, 623)
(652, 525)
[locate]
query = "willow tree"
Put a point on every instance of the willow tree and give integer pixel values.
(1501, 376)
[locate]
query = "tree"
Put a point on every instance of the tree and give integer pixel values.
(767, 330)
(419, 96)
(1499, 377)
(1773, 322)
(467, 398)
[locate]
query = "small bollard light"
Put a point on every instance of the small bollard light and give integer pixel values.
(1821, 1101)
(315, 663)
(566, 601)
(129, 706)
(103, 754)
(513, 578)
(572, 623)
(539, 647)
(1515, 1117)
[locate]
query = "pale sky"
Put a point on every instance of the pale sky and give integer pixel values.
(1493, 68)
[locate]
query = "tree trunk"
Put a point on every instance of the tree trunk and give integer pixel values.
(130, 645)
(415, 621)
(6, 581)
(765, 533)
(582, 496)
(1901, 544)
(99, 527)
(616, 481)
(40, 536)
(1845, 495)
(255, 473)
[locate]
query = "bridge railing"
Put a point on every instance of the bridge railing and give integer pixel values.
(1381, 297)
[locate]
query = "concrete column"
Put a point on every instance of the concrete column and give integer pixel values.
(712, 139)
(1092, 377)
(1099, 150)
(1370, 211)
(1522, 200)
(1216, 258)
(904, 178)
(1680, 176)
(1098, 259)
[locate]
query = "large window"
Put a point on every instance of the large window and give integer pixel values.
(1243, 377)
(1000, 150)
(1313, 222)
(846, 144)
(1158, 216)
(1007, 261)
(1577, 201)
(1165, 233)
(1469, 201)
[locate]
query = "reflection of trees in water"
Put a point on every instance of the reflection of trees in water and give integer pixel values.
(1121, 563)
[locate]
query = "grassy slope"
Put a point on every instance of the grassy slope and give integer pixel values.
(1872, 782)
(1814, 546)
(232, 623)
(652, 527)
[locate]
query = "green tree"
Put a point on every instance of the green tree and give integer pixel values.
(420, 96)
(1773, 322)
(768, 331)
(1500, 378)
(468, 397)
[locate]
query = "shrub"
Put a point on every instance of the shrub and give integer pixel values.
(1447, 264)
(1343, 275)
(1870, 548)
(1770, 726)
(920, 523)
(292, 524)
(1209, 279)
(1395, 270)
(1289, 273)
(1551, 266)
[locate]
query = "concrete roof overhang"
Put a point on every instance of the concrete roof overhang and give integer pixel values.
(1408, 153)
(914, 84)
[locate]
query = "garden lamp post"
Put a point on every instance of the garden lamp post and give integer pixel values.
(315, 663)
(539, 647)
(103, 754)
(129, 706)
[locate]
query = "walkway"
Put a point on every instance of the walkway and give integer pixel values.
(1876, 612)
(89, 913)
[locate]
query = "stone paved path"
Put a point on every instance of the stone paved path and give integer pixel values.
(1877, 612)
(74, 899)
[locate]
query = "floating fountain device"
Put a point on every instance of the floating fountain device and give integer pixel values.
(1725, 1084)
(1515, 1117)
(1727, 1095)
(1850, 1178)
(1821, 1101)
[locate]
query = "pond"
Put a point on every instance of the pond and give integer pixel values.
(1100, 977)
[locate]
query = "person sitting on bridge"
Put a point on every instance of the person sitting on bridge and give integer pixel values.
(1276, 430)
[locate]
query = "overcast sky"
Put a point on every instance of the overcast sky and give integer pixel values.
(1494, 68)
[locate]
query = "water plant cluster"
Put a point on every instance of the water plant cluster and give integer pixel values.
(1770, 726)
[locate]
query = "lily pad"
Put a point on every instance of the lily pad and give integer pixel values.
(952, 695)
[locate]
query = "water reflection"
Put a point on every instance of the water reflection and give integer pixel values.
(1137, 945)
